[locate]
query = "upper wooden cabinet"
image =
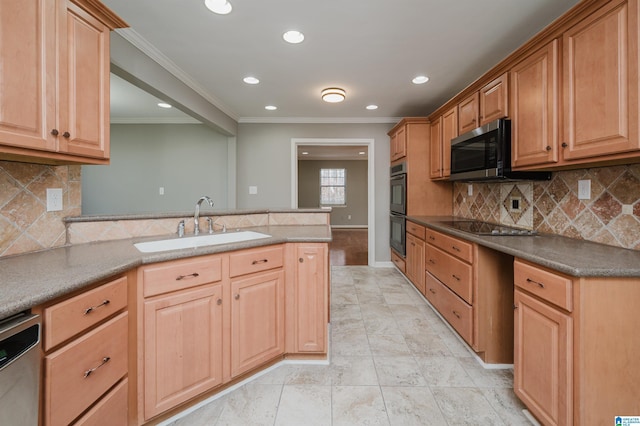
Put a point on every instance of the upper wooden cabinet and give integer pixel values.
(398, 144)
(468, 114)
(435, 148)
(534, 108)
(600, 83)
(443, 129)
(494, 99)
(54, 91)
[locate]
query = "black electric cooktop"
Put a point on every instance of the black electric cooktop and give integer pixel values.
(485, 228)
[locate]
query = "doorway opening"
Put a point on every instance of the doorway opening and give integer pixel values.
(358, 212)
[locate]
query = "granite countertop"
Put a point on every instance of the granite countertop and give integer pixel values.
(574, 257)
(31, 279)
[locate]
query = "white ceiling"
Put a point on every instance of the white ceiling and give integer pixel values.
(370, 48)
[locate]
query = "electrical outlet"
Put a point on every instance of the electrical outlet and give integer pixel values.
(584, 189)
(54, 199)
(470, 189)
(253, 190)
(161, 190)
(348, 217)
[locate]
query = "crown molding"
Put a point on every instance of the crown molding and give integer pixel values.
(152, 52)
(154, 120)
(320, 120)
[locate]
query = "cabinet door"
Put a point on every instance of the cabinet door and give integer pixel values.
(257, 320)
(182, 347)
(601, 83)
(494, 100)
(415, 262)
(399, 144)
(534, 108)
(28, 79)
(311, 298)
(543, 359)
(468, 114)
(449, 131)
(84, 85)
(435, 149)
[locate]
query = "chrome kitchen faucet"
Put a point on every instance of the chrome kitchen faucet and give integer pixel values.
(196, 216)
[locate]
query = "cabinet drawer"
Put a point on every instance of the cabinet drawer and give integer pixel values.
(255, 260)
(398, 261)
(459, 248)
(110, 410)
(451, 307)
(415, 229)
(80, 372)
(66, 319)
(552, 287)
(181, 274)
(453, 272)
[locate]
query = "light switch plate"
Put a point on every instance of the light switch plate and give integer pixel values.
(253, 190)
(54, 199)
(584, 189)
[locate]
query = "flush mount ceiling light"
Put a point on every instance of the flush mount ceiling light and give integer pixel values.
(293, 37)
(251, 80)
(421, 79)
(333, 95)
(371, 107)
(164, 105)
(271, 107)
(221, 7)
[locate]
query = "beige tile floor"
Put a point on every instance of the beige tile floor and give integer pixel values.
(393, 362)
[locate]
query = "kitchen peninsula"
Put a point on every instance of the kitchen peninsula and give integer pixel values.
(127, 318)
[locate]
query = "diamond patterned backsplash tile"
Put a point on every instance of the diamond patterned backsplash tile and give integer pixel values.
(25, 224)
(611, 216)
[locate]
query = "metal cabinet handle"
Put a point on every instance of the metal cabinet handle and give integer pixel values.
(55, 132)
(455, 276)
(548, 148)
(182, 277)
(105, 360)
(432, 291)
(455, 248)
(66, 135)
(256, 262)
(456, 314)
(541, 285)
(431, 261)
(93, 308)
(564, 144)
(237, 296)
(219, 302)
(432, 238)
(301, 260)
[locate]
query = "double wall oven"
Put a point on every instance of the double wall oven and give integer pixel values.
(398, 207)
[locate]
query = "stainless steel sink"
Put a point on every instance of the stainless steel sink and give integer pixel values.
(199, 241)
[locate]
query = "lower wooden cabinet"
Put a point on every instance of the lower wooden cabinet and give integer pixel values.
(257, 320)
(111, 410)
(543, 359)
(182, 346)
(415, 261)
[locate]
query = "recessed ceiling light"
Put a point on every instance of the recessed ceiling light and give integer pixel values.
(333, 95)
(293, 37)
(305, 153)
(372, 107)
(221, 7)
(164, 105)
(362, 153)
(421, 79)
(251, 80)
(271, 107)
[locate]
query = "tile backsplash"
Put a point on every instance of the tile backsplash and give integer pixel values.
(611, 215)
(25, 224)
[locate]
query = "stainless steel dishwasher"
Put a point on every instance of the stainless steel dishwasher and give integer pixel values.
(19, 370)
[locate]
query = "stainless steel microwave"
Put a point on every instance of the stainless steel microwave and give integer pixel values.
(484, 154)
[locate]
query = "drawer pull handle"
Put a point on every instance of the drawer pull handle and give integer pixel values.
(105, 360)
(182, 277)
(431, 261)
(456, 314)
(219, 302)
(529, 280)
(237, 296)
(432, 291)
(456, 277)
(455, 248)
(93, 308)
(257, 262)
